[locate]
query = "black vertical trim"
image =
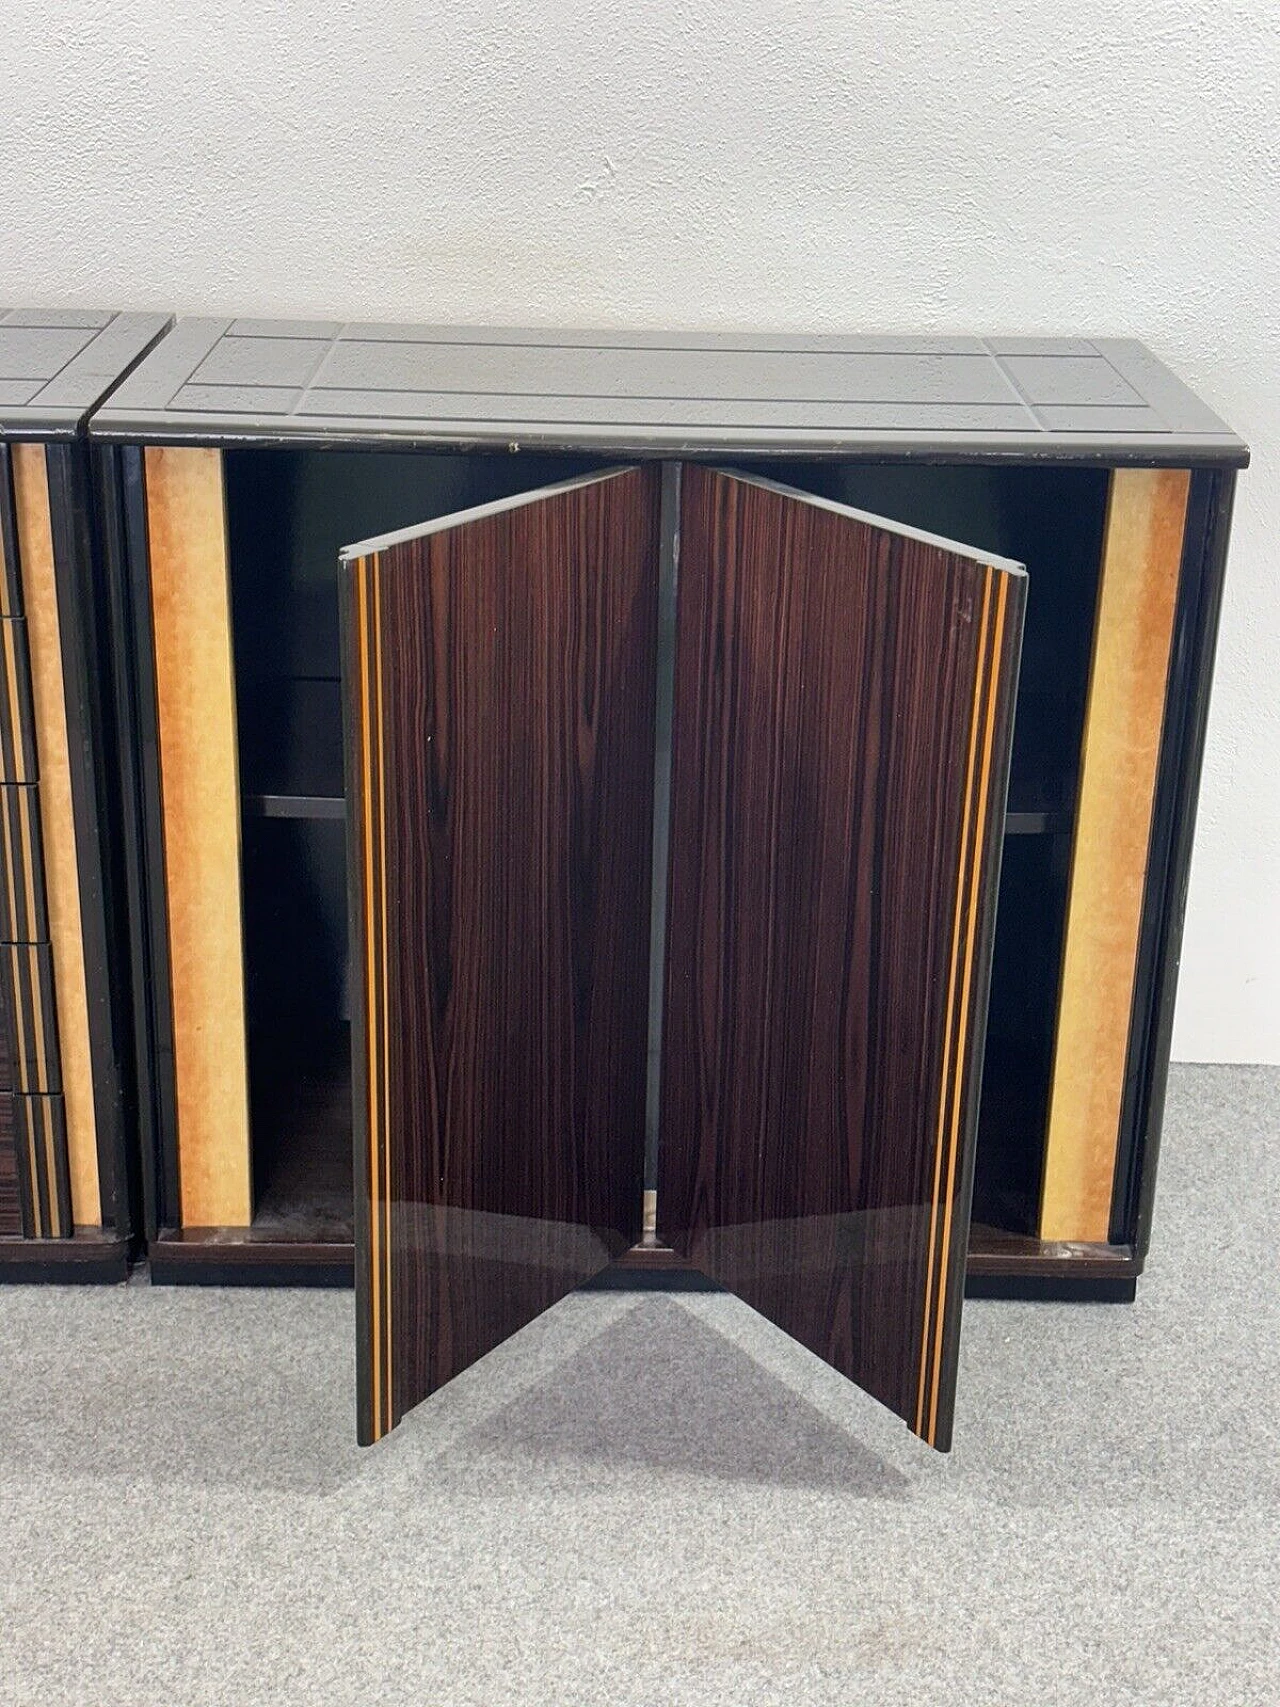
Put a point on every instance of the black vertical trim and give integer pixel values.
(128, 874)
(10, 579)
(988, 861)
(85, 673)
(141, 733)
(1186, 715)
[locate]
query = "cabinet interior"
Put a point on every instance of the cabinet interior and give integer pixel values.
(290, 511)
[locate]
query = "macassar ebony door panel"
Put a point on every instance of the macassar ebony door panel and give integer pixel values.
(842, 716)
(842, 706)
(500, 670)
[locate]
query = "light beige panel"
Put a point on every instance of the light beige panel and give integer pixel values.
(1142, 554)
(195, 695)
(57, 820)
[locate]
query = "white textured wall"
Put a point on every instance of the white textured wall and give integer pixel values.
(1036, 166)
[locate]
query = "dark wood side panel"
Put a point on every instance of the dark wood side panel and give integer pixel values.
(56, 563)
(500, 691)
(842, 717)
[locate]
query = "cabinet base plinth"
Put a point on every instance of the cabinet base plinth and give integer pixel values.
(1011, 1265)
(1001, 1264)
(239, 1256)
(90, 1258)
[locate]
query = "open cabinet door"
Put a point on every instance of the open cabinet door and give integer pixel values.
(500, 669)
(843, 706)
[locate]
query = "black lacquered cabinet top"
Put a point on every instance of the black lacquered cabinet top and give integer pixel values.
(214, 381)
(56, 364)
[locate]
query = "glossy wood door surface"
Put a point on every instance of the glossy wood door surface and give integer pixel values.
(842, 718)
(500, 725)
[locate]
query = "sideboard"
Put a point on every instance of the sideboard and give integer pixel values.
(68, 1155)
(702, 888)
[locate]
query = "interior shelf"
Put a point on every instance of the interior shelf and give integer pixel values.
(334, 806)
(298, 806)
(1037, 823)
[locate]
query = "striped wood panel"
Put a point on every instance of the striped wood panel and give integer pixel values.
(24, 915)
(843, 705)
(40, 1126)
(60, 841)
(1137, 598)
(26, 970)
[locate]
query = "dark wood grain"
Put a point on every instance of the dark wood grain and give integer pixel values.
(501, 700)
(841, 737)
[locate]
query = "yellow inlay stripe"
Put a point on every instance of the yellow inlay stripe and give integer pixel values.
(975, 888)
(22, 1064)
(34, 930)
(11, 862)
(385, 1007)
(34, 1172)
(371, 992)
(944, 1085)
(38, 1020)
(18, 766)
(55, 1212)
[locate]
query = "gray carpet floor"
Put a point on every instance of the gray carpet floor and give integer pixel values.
(656, 1500)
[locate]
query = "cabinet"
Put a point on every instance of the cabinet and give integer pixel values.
(66, 1159)
(681, 715)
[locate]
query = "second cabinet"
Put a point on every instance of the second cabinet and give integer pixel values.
(672, 818)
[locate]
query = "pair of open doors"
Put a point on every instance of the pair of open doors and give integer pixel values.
(676, 802)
